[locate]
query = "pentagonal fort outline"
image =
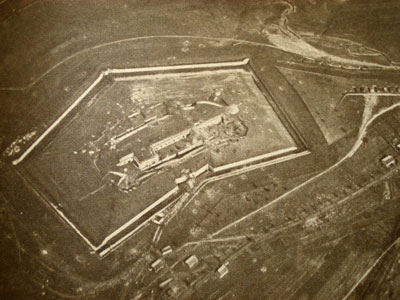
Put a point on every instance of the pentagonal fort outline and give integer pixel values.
(116, 238)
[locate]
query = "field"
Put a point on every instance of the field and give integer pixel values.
(137, 134)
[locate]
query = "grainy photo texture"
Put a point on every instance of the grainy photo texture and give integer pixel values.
(199, 149)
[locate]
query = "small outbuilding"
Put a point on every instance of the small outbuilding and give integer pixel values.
(192, 261)
(159, 218)
(166, 250)
(388, 161)
(222, 271)
(157, 265)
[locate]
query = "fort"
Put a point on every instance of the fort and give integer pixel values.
(153, 134)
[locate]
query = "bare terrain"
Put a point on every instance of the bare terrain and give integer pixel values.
(199, 149)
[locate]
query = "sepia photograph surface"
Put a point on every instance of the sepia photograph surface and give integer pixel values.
(199, 149)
